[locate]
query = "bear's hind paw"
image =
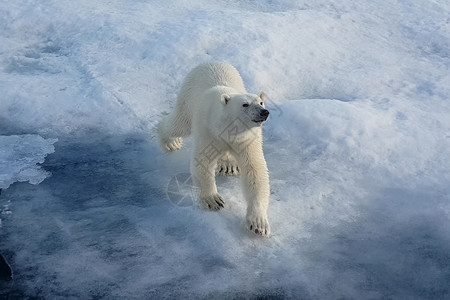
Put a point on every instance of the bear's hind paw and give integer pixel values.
(173, 144)
(227, 170)
(213, 202)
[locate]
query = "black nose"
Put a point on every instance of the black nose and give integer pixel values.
(264, 113)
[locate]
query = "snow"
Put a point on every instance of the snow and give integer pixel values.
(357, 146)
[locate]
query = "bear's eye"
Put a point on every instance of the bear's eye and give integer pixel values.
(260, 103)
(245, 105)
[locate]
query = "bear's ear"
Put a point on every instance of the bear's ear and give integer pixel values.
(262, 95)
(225, 98)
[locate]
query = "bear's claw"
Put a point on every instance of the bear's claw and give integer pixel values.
(214, 202)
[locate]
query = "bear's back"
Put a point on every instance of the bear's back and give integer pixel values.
(208, 75)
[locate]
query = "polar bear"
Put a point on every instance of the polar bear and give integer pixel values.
(225, 122)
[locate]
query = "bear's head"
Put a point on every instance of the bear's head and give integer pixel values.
(249, 108)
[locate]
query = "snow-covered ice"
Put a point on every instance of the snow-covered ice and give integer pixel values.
(357, 146)
(19, 156)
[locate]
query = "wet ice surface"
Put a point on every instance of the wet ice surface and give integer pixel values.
(113, 223)
(360, 204)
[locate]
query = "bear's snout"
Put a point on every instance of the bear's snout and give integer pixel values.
(264, 113)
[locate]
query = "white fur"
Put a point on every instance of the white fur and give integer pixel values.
(227, 137)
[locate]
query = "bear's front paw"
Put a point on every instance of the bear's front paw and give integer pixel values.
(213, 202)
(258, 225)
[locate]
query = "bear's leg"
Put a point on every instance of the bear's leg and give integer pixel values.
(227, 166)
(171, 129)
(255, 185)
(203, 174)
